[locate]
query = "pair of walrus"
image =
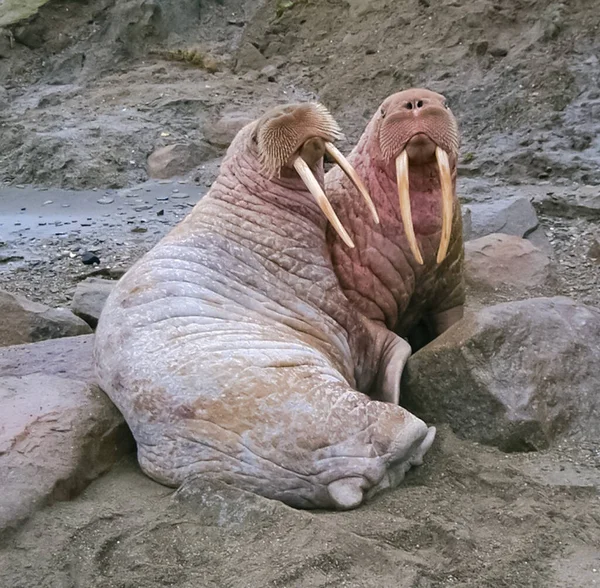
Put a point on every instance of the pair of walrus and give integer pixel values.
(257, 345)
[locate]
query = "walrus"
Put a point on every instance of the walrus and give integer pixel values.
(406, 271)
(232, 351)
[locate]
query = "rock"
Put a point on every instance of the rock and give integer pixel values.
(467, 223)
(249, 58)
(14, 12)
(511, 216)
(3, 97)
(89, 299)
(594, 250)
(69, 357)
(88, 258)
(504, 262)
(24, 321)
(57, 432)
(175, 160)
(584, 202)
(519, 375)
(221, 133)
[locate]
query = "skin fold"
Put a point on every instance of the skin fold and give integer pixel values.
(233, 353)
(381, 275)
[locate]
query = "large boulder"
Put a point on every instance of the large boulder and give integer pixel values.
(518, 375)
(505, 262)
(24, 321)
(90, 297)
(58, 430)
(510, 216)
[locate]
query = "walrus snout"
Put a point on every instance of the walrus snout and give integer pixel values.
(420, 149)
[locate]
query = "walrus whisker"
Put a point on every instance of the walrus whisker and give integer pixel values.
(405, 211)
(353, 176)
(318, 194)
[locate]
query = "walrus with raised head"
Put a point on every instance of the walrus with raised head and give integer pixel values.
(232, 351)
(408, 268)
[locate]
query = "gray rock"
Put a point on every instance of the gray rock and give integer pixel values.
(583, 202)
(518, 375)
(24, 321)
(504, 262)
(90, 297)
(14, 12)
(249, 58)
(467, 222)
(69, 357)
(221, 133)
(3, 96)
(57, 434)
(511, 216)
(175, 160)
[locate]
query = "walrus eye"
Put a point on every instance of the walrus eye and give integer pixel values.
(382, 113)
(446, 105)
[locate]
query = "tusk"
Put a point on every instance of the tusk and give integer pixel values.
(405, 212)
(447, 202)
(354, 178)
(315, 189)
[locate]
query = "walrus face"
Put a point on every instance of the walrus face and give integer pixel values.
(414, 128)
(292, 140)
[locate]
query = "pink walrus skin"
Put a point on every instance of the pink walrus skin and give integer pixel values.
(232, 351)
(409, 267)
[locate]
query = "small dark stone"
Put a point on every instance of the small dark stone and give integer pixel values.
(499, 52)
(160, 213)
(88, 258)
(370, 52)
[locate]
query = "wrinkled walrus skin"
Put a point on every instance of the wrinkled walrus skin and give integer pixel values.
(233, 353)
(381, 276)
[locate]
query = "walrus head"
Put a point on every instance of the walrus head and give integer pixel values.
(416, 127)
(292, 139)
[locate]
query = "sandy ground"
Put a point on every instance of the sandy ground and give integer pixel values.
(470, 517)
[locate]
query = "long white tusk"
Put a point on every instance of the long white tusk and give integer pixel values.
(354, 178)
(405, 211)
(315, 189)
(447, 202)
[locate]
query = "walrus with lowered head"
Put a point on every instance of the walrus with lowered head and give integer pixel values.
(408, 268)
(232, 351)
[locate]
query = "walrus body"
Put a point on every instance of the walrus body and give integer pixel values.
(388, 278)
(233, 353)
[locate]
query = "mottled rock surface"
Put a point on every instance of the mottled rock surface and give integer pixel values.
(23, 321)
(89, 298)
(519, 375)
(505, 262)
(58, 430)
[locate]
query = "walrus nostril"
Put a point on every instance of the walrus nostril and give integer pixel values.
(419, 103)
(409, 105)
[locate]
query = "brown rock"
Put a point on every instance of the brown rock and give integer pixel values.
(221, 133)
(518, 375)
(175, 160)
(24, 321)
(501, 261)
(57, 434)
(90, 297)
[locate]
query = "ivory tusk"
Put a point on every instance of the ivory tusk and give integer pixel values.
(315, 189)
(405, 211)
(354, 178)
(447, 202)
